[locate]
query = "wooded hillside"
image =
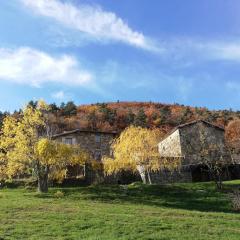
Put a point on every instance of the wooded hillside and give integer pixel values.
(118, 115)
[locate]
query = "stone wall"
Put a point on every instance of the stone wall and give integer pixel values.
(197, 139)
(170, 146)
(192, 141)
(96, 144)
(91, 142)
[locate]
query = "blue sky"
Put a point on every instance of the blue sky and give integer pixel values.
(105, 50)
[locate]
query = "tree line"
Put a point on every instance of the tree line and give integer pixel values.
(119, 115)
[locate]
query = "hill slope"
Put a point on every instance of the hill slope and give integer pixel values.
(117, 116)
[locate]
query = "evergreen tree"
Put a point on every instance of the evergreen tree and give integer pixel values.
(140, 119)
(54, 108)
(165, 114)
(130, 117)
(68, 109)
(186, 115)
(62, 106)
(109, 115)
(32, 104)
(92, 120)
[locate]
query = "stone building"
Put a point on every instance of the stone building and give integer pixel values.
(186, 142)
(189, 143)
(96, 143)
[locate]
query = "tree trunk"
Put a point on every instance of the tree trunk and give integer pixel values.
(43, 183)
(142, 172)
(149, 177)
(219, 183)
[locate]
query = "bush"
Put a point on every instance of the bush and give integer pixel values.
(58, 194)
(235, 198)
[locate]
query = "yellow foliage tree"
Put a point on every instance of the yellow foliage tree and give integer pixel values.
(136, 150)
(27, 148)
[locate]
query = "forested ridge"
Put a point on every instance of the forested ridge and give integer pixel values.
(116, 116)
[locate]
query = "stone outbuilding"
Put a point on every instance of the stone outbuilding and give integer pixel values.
(188, 142)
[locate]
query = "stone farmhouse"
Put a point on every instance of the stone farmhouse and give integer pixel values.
(95, 143)
(189, 142)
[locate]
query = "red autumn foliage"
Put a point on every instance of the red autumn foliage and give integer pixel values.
(116, 116)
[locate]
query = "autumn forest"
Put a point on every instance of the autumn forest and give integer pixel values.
(118, 115)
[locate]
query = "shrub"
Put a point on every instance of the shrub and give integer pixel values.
(235, 198)
(58, 194)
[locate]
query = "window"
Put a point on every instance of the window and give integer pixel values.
(97, 138)
(98, 155)
(68, 141)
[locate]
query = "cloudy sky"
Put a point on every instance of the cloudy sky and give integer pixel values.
(106, 50)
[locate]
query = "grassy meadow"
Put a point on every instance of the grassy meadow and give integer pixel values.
(179, 211)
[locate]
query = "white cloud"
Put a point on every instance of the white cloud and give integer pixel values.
(198, 50)
(92, 20)
(60, 95)
(35, 68)
(226, 51)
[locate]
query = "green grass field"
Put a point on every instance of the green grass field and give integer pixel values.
(179, 211)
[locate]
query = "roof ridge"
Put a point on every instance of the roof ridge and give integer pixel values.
(199, 120)
(82, 130)
(190, 123)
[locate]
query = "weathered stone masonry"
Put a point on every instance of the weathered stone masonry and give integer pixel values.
(96, 143)
(187, 142)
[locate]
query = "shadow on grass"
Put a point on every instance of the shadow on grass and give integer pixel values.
(43, 195)
(196, 196)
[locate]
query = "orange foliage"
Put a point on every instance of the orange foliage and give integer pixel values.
(233, 131)
(158, 115)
